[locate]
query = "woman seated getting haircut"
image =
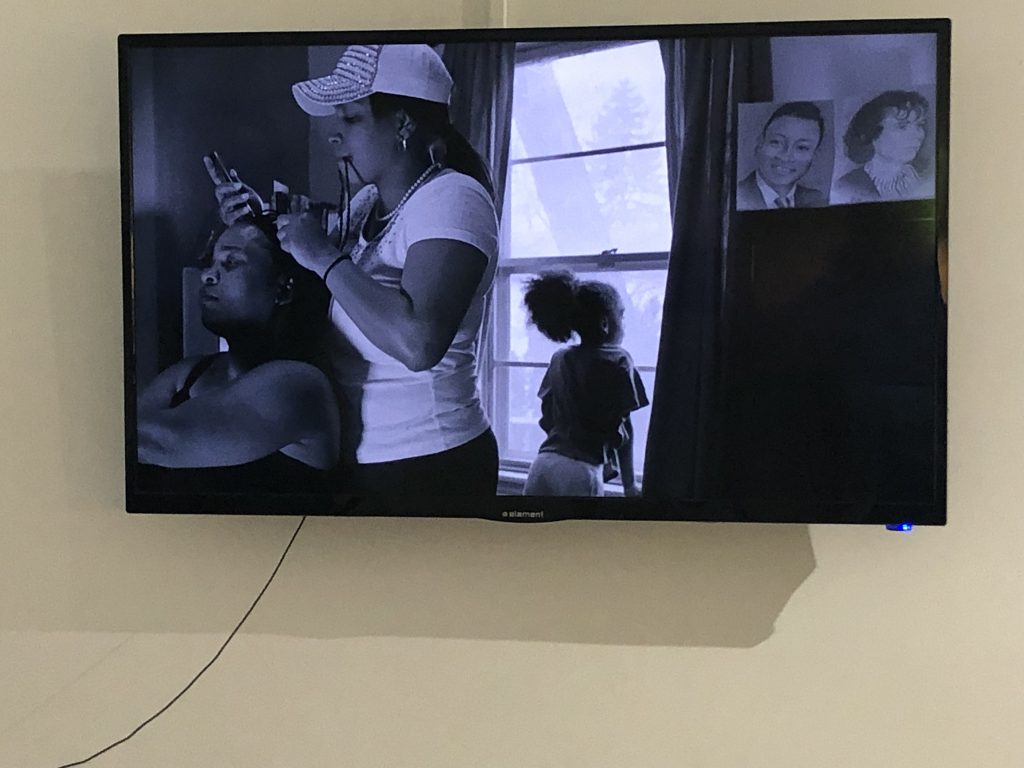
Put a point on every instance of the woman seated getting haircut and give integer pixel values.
(258, 417)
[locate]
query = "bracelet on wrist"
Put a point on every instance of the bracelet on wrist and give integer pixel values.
(333, 264)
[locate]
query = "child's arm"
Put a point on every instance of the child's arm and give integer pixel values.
(544, 393)
(545, 414)
(625, 454)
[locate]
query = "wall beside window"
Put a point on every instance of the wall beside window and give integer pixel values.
(863, 63)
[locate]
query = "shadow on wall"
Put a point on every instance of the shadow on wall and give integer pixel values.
(619, 583)
(85, 565)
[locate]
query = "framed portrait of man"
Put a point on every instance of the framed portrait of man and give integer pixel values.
(785, 155)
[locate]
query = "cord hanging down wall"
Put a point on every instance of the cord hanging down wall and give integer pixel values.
(209, 664)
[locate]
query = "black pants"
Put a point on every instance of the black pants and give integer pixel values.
(470, 469)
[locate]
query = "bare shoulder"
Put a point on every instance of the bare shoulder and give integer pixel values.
(294, 391)
(184, 366)
(288, 373)
(173, 376)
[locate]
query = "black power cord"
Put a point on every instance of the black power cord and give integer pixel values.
(201, 672)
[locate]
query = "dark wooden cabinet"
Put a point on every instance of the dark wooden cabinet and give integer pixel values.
(833, 356)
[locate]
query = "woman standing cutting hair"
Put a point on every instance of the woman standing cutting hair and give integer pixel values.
(413, 260)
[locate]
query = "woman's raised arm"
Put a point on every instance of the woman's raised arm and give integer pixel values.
(274, 405)
(414, 324)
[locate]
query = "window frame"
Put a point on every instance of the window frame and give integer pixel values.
(513, 470)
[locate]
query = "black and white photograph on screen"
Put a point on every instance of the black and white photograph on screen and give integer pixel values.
(489, 274)
(343, 238)
(784, 155)
(886, 146)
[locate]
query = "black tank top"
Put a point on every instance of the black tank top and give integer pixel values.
(276, 473)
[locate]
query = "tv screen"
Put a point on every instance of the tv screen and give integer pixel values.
(655, 273)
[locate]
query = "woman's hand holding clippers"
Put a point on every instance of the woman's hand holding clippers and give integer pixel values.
(302, 235)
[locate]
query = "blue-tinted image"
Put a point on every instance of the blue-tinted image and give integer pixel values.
(464, 269)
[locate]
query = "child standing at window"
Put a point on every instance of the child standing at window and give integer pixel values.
(588, 392)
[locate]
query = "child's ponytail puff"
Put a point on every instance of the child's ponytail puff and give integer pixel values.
(551, 302)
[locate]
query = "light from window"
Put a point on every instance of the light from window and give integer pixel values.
(596, 100)
(588, 167)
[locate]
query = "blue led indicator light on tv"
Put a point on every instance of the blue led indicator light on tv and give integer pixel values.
(902, 527)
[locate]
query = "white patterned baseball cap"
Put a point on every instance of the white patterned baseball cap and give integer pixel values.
(402, 70)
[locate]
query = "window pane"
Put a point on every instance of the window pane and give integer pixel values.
(609, 201)
(524, 434)
(586, 205)
(643, 293)
(597, 100)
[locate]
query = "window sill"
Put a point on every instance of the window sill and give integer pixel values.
(511, 481)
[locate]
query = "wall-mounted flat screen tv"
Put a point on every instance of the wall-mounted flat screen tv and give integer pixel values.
(653, 273)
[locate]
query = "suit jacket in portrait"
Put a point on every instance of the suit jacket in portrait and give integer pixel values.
(748, 196)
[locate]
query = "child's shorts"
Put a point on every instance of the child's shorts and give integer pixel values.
(552, 474)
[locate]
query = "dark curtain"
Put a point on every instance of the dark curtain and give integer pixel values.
(673, 58)
(708, 77)
(481, 103)
(481, 109)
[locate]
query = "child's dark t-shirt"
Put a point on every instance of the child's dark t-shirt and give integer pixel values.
(586, 395)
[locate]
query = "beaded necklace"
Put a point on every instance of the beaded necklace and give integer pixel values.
(431, 169)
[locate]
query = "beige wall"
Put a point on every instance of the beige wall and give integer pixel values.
(464, 643)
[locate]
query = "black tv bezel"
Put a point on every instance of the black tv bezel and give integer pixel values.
(526, 508)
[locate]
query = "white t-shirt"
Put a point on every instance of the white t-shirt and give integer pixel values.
(394, 413)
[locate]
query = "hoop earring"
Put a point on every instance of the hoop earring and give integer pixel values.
(405, 145)
(284, 291)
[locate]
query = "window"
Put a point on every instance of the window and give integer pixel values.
(588, 192)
